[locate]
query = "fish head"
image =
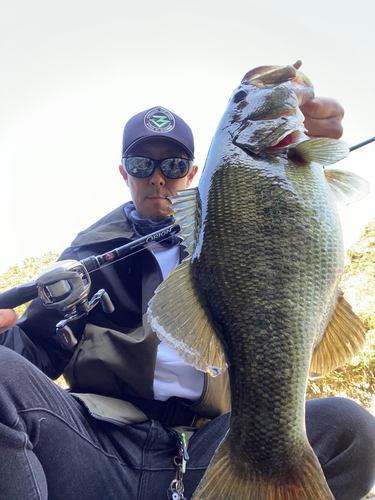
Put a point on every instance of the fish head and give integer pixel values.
(264, 110)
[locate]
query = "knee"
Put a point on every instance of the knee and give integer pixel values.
(14, 367)
(340, 417)
(342, 434)
(8, 359)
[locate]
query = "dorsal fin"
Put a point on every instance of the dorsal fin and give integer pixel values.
(186, 212)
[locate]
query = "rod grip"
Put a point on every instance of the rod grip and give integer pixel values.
(18, 295)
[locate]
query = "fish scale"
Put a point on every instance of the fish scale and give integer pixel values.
(261, 286)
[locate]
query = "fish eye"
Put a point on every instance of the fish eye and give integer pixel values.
(239, 96)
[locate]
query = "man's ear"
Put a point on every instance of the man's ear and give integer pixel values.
(191, 176)
(123, 174)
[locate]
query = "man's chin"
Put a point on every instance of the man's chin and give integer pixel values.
(156, 216)
(157, 210)
(159, 217)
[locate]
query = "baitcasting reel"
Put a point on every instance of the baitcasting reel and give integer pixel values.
(65, 286)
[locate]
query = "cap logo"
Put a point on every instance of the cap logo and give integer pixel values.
(159, 120)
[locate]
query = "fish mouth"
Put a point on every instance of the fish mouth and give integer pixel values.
(283, 137)
(276, 142)
(273, 133)
(288, 140)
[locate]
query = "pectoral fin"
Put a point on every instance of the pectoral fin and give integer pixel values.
(343, 339)
(175, 313)
(346, 187)
(321, 150)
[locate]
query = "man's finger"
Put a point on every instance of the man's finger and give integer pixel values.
(323, 117)
(328, 127)
(322, 108)
(8, 318)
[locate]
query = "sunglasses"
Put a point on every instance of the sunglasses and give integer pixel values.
(171, 168)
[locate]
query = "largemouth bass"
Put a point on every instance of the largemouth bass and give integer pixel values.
(259, 293)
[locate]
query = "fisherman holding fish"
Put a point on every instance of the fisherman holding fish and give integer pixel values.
(137, 421)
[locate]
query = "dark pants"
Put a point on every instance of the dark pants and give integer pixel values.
(50, 447)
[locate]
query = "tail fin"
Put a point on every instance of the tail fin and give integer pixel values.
(224, 481)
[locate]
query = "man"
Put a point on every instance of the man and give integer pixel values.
(115, 434)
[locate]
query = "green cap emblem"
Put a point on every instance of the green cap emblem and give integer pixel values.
(159, 120)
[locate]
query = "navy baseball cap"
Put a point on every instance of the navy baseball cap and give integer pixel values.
(157, 122)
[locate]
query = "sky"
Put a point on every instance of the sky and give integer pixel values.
(73, 72)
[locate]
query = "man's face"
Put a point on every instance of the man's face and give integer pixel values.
(150, 194)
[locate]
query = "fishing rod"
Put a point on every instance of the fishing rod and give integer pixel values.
(29, 291)
(65, 285)
(357, 146)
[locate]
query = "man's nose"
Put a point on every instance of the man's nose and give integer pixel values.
(157, 178)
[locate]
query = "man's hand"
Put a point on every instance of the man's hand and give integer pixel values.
(8, 318)
(323, 117)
